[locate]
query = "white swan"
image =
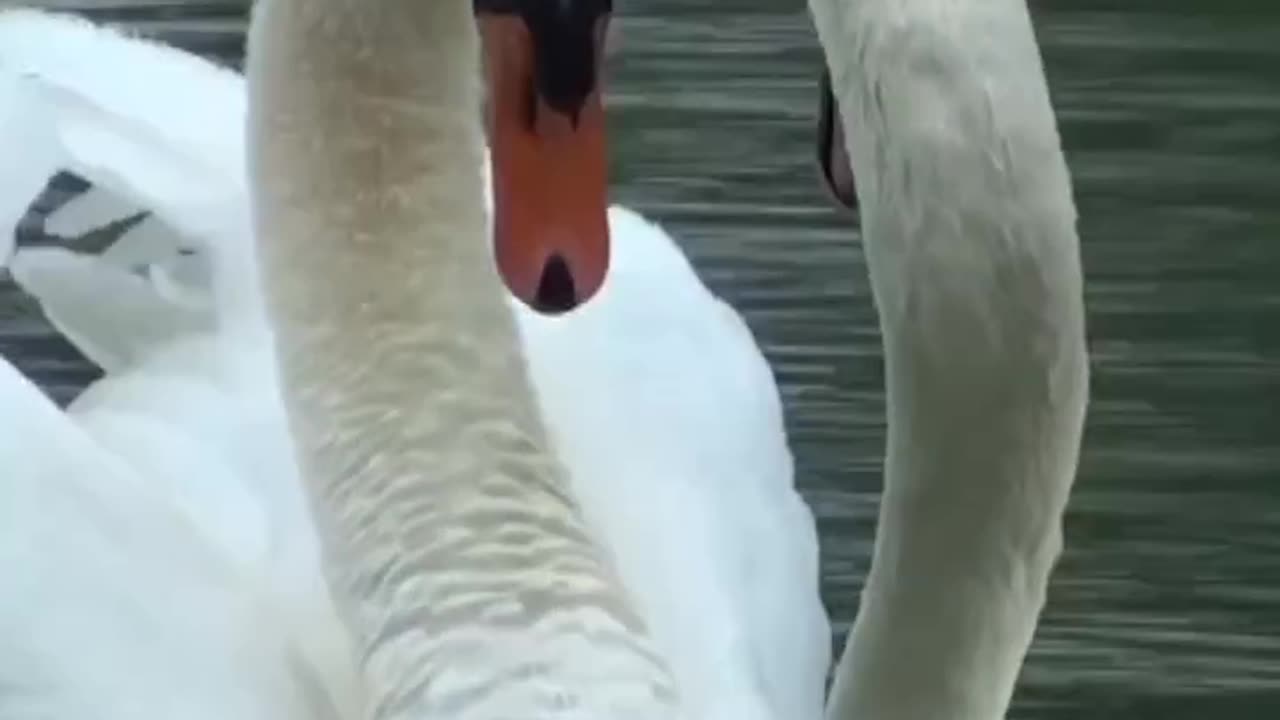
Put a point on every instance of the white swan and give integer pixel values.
(733, 648)
(974, 260)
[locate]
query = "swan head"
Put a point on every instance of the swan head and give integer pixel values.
(545, 120)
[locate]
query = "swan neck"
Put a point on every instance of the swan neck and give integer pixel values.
(970, 239)
(458, 562)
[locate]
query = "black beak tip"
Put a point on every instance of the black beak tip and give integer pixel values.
(833, 159)
(556, 293)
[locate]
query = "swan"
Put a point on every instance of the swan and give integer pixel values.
(748, 633)
(971, 246)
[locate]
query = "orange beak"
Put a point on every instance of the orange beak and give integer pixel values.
(550, 173)
(833, 155)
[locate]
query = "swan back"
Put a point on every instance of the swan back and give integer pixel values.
(668, 417)
(458, 560)
(138, 580)
(970, 234)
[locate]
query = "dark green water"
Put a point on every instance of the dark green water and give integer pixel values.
(1167, 603)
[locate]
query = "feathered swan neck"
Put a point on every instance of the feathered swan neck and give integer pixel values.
(459, 563)
(970, 236)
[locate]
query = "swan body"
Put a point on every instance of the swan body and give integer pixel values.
(746, 637)
(757, 547)
(974, 260)
(143, 584)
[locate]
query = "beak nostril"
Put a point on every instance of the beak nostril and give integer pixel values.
(556, 291)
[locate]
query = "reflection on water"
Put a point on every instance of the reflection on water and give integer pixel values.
(1167, 603)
